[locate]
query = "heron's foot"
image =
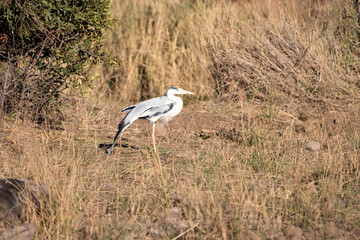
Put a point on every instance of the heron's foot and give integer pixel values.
(107, 146)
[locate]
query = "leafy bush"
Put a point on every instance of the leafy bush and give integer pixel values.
(46, 47)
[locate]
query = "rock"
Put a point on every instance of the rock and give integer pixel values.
(17, 194)
(312, 145)
(23, 232)
(17, 198)
(331, 230)
(250, 235)
(175, 198)
(170, 222)
(107, 187)
(172, 218)
(156, 231)
(341, 203)
(278, 236)
(10, 211)
(294, 232)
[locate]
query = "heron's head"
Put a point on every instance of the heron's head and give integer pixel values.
(176, 90)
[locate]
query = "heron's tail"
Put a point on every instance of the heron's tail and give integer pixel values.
(122, 127)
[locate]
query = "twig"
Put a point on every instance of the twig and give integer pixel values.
(288, 114)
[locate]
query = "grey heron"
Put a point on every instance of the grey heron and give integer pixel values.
(161, 108)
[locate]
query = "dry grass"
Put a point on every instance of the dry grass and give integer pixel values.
(235, 166)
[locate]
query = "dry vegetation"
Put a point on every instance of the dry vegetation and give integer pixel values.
(269, 76)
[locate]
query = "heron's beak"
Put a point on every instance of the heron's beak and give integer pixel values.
(185, 92)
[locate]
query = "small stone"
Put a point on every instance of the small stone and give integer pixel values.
(341, 203)
(278, 236)
(175, 198)
(247, 234)
(331, 230)
(294, 232)
(312, 145)
(171, 221)
(107, 187)
(174, 210)
(156, 231)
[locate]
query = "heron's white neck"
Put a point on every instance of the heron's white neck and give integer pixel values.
(174, 98)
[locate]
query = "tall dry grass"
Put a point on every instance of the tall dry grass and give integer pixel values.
(275, 74)
(154, 43)
(306, 51)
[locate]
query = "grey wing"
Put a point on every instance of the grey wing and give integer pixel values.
(146, 104)
(158, 110)
(149, 108)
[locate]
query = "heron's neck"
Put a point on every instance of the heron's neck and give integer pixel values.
(174, 98)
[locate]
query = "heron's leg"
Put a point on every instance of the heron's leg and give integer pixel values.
(153, 138)
(158, 157)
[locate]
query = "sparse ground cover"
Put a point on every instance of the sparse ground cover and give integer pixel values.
(238, 175)
(236, 161)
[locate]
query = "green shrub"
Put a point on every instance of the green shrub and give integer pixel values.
(46, 47)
